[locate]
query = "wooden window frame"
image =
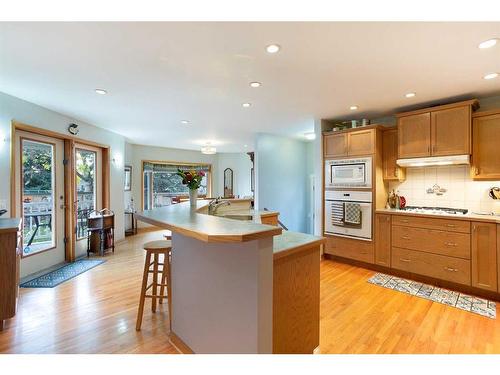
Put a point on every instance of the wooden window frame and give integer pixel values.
(209, 182)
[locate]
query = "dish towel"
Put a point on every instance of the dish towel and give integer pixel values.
(352, 213)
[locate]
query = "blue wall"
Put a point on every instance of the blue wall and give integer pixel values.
(282, 170)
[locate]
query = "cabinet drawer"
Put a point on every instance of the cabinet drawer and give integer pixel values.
(432, 241)
(438, 266)
(352, 249)
(431, 223)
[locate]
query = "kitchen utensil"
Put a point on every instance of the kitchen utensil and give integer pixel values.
(495, 193)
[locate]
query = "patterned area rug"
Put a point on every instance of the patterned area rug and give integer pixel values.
(65, 273)
(448, 297)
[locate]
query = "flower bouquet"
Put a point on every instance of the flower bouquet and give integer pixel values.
(193, 180)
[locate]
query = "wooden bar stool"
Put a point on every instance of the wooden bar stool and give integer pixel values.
(153, 250)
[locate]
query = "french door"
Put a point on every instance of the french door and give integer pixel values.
(88, 190)
(39, 199)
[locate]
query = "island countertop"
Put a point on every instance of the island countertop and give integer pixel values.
(290, 242)
(10, 225)
(190, 222)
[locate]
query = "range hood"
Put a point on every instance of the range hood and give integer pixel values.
(434, 161)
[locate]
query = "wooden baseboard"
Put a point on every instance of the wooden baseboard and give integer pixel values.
(424, 279)
(180, 345)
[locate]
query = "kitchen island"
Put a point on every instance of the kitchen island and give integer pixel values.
(239, 286)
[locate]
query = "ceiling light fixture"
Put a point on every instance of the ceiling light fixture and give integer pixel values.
(208, 149)
(245, 146)
(490, 76)
(488, 43)
(246, 105)
(310, 136)
(101, 91)
(353, 107)
(410, 95)
(255, 84)
(185, 122)
(273, 48)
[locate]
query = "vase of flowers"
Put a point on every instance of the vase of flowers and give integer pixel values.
(192, 179)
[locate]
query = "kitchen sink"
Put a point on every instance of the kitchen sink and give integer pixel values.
(237, 217)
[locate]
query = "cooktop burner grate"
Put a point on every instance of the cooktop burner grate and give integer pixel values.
(445, 210)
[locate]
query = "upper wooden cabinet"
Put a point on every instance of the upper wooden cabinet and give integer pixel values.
(391, 171)
(414, 136)
(484, 256)
(486, 146)
(335, 145)
(437, 131)
(350, 143)
(451, 131)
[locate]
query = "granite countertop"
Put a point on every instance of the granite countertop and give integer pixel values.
(9, 225)
(289, 242)
(469, 216)
(192, 223)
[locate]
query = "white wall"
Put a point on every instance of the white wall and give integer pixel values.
(241, 165)
(12, 108)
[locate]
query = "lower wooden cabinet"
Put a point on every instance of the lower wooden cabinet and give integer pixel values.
(437, 266)
(383, 240)
(349, 248)
(484, 256)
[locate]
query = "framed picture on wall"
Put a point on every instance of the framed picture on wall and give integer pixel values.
(128, 178)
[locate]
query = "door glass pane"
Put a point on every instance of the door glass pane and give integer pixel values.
(37, 181)
(85, 189)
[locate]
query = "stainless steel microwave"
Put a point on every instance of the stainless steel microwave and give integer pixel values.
(348, 173)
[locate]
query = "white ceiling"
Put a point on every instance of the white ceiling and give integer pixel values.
(158, 74)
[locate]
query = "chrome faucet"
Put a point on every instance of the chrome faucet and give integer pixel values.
(215, 204)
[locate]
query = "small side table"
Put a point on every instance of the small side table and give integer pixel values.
(133, 229)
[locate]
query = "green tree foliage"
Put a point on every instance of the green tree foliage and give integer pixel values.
(37, 166)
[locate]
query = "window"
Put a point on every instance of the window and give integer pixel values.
(37, 181)
(85, 163)
(161, 184)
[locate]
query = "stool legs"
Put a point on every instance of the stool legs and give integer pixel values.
(143, 291)
(155, 282)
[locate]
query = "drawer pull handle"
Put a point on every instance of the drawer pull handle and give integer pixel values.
(451, 244)
(450, 269)
(405, 238)
(405, 260)
(404, 221)
(451, 225)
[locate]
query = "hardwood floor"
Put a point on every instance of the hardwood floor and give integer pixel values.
(96, 311)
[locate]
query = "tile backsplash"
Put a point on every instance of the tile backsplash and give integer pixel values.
(461, 190)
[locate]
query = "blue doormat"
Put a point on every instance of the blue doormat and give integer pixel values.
(65, 273)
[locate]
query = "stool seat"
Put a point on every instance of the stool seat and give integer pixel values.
(159, 245)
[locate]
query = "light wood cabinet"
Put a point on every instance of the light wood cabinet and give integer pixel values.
(361, 142)
(437, 131)
(414, 136)
(438, 266)
(498, 255)
(335, 145)
(350, 248)
(352, 143)
(485, 149)
(391, 171)
(450, 225)
(484, 256)
(383, 240)
(451, 131)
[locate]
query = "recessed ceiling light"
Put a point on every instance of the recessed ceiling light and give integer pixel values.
(273, 48)
(410, 95)
(185, 122)
(353, 107)
(490, 76)
(255, 84)
(310, 136)
(488, 43)
(101, 91)
(245, 146)
(246, 105)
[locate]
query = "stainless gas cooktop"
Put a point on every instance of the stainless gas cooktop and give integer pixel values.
(436, 210)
